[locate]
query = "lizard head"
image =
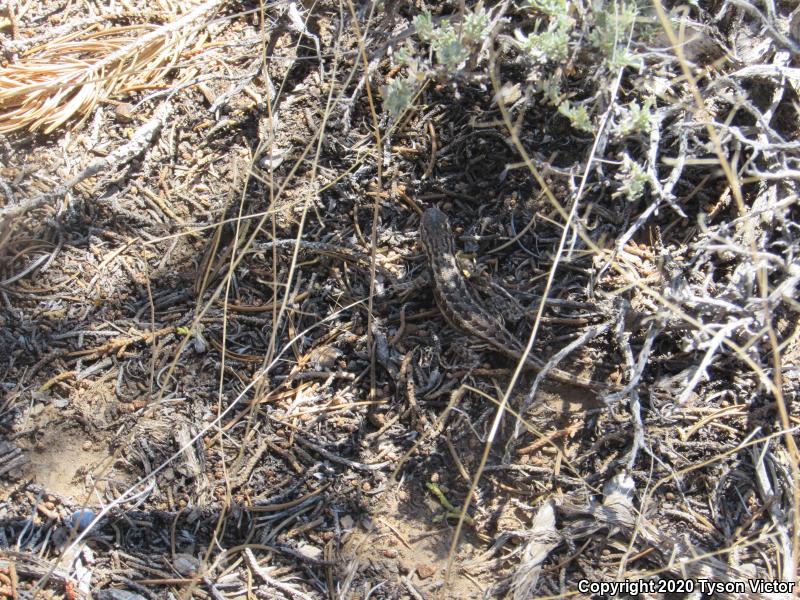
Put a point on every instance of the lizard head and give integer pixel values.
(434, 231)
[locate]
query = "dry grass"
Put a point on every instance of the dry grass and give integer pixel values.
(64, 79)
(663, 480)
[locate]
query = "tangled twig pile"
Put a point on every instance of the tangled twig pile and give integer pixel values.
(220, 340)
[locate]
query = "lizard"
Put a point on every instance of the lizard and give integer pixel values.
(463, 312)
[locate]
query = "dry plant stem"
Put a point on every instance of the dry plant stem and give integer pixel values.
(262, 215)
(33, 108)
(768, 23)
(678, 312)
(376, 202)
(246, 245)
(130, 492)
(142, 138)
(183, 344)
(543, 538)
(544, 438)
(278, 314)
(674, 549)
(768, 495)
(794, 453)
(219, 438)
(257, 381)
(339, 459)
(23, 45)
(262, 573)
(664, 192)
(568, 218)
(634, 406)
(272, 105)
(588, 334)
(154, 346)
(277, 317)
(251, 239)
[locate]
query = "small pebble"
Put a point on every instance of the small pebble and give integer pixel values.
(83, 518)
(124, 112)
(186, 564)
(425, 571)
(347, 522)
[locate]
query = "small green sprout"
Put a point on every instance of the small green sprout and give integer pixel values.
(404, 56)
(423, 24)
(450, 52)
(633, 179)
(453, 512)
(476, 25)
(551, 8)
(578, 116)
(551, 88)
(552, 44)
(636, 118)
(611, 32)
(398, 95)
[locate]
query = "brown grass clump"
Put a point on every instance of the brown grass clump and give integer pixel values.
(65, 78)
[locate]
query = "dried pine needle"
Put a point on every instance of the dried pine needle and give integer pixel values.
(64, 79)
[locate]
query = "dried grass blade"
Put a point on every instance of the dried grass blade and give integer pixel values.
(51, 88)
